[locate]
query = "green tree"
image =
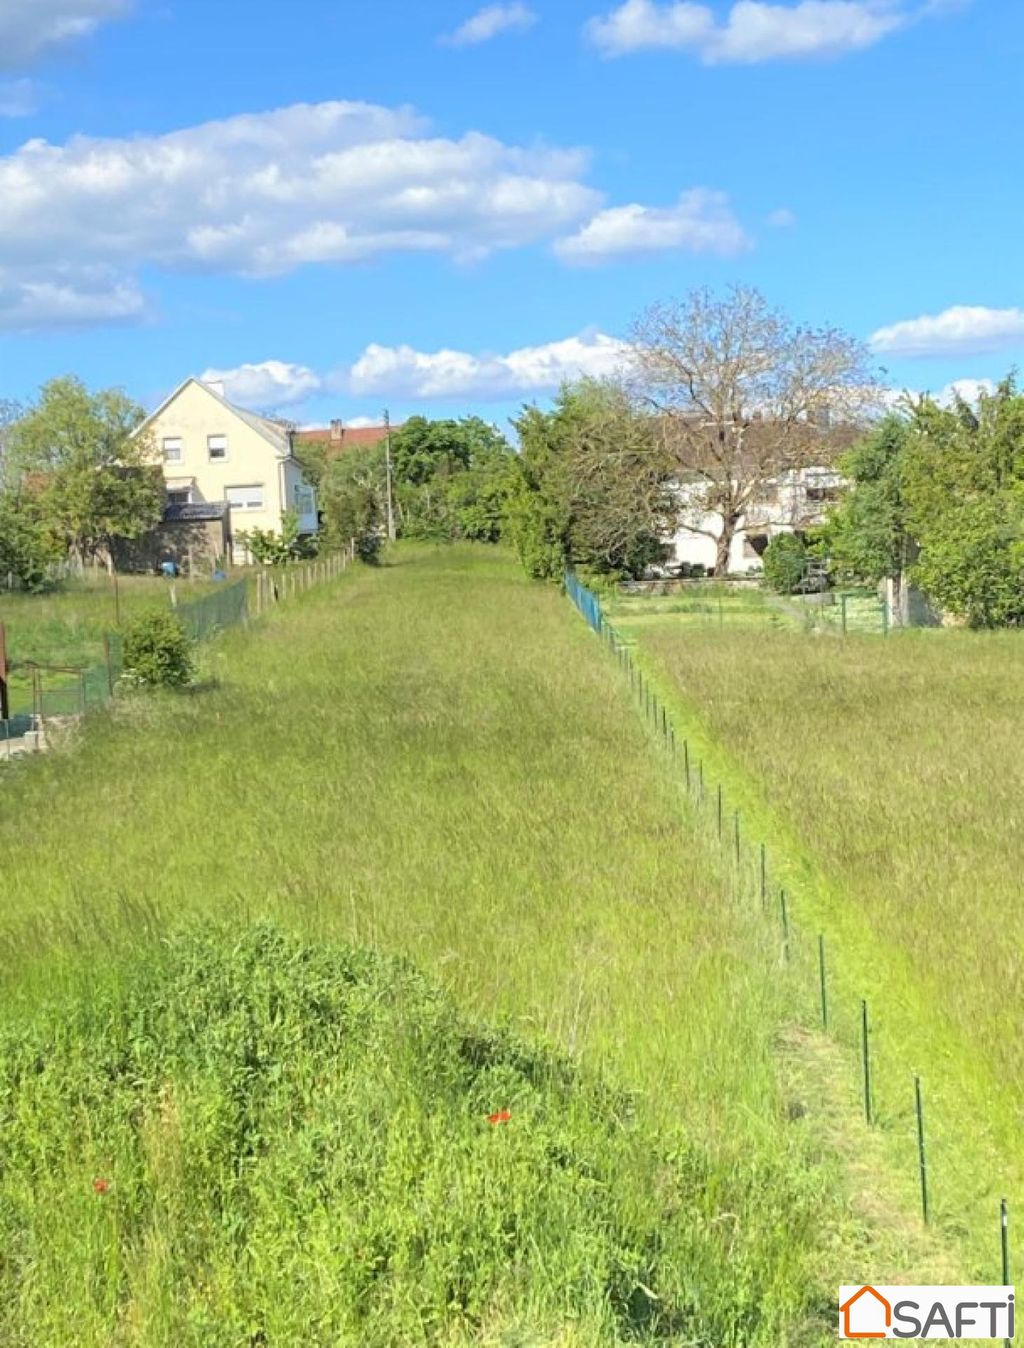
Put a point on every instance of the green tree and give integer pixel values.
(594, 485)
(95, 481)
(964, 485)
(25, 549)
(785, 563)
(867, 535)
(158, 652)
(353, 494)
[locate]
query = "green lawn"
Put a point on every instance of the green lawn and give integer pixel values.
(888, 777)
(66, 627)
(434, 760)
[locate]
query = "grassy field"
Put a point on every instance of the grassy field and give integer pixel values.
(434, 761)
(66, 627)
(887, 776)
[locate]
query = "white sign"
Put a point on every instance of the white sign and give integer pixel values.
(870, 1312)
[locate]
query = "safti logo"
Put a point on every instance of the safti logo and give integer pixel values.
(925, 1312)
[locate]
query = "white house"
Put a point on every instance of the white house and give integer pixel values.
(213, 453)
(795, 500)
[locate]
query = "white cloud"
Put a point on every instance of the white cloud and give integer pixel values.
(18, 98)
(272, 383)
(960, 330)
(404, 372)
(783, 218)
(31, 28)
(262, 194)
(700, 222)
(754, 30)
(489, 22)
(67, 298)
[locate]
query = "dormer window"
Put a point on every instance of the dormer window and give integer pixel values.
(217, 448)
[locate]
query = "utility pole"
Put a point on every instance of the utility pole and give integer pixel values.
(387, 456)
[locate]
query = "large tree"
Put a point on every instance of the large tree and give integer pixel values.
(93, 480)
(867, 535)
(742, 396)
(964, 485)
(595, 483)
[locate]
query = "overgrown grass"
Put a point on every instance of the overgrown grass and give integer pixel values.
(888, 778)
(435, 760)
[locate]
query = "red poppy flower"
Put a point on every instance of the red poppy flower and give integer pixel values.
(502, 1116)
(100, 1186)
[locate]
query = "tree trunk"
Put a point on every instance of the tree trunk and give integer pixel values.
(724, 545)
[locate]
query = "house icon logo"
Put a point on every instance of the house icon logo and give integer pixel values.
(866, 1315)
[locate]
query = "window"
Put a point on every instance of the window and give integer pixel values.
(304, 499)
(245, 498)
(179, 496)
(217, 448)
(822, 494)
(174, 451)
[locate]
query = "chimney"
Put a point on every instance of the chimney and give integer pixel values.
(337, 432)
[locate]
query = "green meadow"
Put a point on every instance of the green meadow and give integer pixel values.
(386, 989)
(887, 777)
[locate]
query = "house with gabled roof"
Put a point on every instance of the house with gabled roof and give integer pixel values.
(223, 461)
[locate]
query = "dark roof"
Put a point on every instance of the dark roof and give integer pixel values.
(195, 512)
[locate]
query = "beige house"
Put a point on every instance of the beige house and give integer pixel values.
(215, 454)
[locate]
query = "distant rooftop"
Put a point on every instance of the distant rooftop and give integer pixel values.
(341, 437)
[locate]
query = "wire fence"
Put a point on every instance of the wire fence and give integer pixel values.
(730, 604)
(808, 958)
(38, 700)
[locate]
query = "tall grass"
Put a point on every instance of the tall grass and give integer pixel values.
(888, 776)
(437, 760)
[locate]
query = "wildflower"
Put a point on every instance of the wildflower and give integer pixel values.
(502, 1116)
(100, 1186)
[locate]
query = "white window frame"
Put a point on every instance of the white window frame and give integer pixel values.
(247, 504)
(179, 445)
(218, 458)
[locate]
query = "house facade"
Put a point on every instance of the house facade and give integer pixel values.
(790, 503)
(223, 462)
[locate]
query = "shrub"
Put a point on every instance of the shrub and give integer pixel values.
(369, 546)
(158, 652)
(785, 563)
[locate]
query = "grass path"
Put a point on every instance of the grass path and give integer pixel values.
(438, 760)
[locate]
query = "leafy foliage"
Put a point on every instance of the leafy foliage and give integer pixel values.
(92, 481)
(158, 652)
(272, 548)
(785, 563)
(25, 548)
(594, 485)
(938, 494)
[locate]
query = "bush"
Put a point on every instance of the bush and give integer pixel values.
(785, 563)
(158, 652)
(369, 546)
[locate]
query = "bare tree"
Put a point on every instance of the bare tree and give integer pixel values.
(743, 396)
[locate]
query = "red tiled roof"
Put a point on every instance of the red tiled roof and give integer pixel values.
(344, 437)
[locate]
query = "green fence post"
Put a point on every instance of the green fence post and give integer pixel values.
(821, 979)
(784, 914)
(865, 1049)
(109, 663)
(842, 602)
(921, 1161)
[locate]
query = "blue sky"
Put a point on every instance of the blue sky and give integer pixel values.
(443, 207)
